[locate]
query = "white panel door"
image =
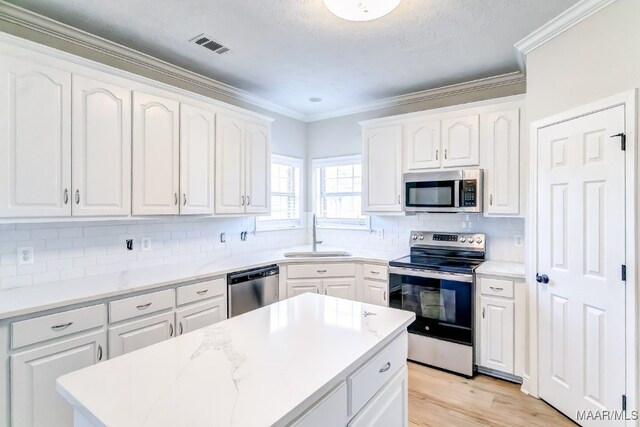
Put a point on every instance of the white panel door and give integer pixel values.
(461, 141)
(297, 287)
(382, 162)
(197, 149)
(135, 335)
(230, 163)
(497, 334)
(34, 399)
(101, 155)
(35, 140)
(156, 146)
(258, 169)
(502, 176)
(375, 292)
(389, 407)
(199, 315)
(423, 145)
(340, 288)
(581, 248)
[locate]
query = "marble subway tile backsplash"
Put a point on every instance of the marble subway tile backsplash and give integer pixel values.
(501, 233)
(82, 249)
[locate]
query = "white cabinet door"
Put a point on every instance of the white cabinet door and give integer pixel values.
(461, 141)
(389, 407)
(34, 399)
(297, 287)
(197, 316)
(229, 197)
(340, 288)
(133, 336)
(35, 140)
(258, 169)
(423, 145)
(331, 410)
(502, 176)
(101, 155)
(497, 334)
(156, 153)
(382, 172)
(375, 292)
(197, 148)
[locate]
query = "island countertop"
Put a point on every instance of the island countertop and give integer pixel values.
(258, 369)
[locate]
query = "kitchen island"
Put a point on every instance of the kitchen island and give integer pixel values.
(311, 360)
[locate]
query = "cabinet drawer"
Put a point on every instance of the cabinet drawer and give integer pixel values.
(365, 383)
(299, 271)
(375, 271)
(497, 287)
(56, 325)
(140, 305)
(201, 291)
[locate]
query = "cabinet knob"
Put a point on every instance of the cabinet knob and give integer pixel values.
(445, 153)
(66, 196)
(99, 353)
(170, 329)
(483, 312)
(77, 197)
(175, 198)
(242, 200)
(184, 199)
(248, 200)
(180, 328)
(437, 152)
(490, 199)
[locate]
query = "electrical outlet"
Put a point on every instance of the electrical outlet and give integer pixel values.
(517, 240)
(145, 244)
(129, 244)
(380, 233)
(25, 255)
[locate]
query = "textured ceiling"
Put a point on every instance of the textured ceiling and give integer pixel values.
(287, 51)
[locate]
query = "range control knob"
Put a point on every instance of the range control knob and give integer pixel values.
(462, 239)
(470, 239)
(421, 237)
(414, 237)
(478, 239)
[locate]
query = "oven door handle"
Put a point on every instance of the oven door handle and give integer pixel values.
(456, 193)
(431, 274)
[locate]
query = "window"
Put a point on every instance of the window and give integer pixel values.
(338, 192)
(286, 200)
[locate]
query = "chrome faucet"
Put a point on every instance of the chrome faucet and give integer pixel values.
(315, 234)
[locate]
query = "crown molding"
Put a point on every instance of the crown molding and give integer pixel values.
(32, 21)
(558, 25)
(427, 95)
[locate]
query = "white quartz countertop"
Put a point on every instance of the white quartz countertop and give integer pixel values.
(502, 268)
(31, 299)
(253, 370)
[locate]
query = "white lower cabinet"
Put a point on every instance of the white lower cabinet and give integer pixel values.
(340, 288)
(389, 407)
(330, 411)
(497, 324)
(297, 287)
(375, 292)
(197, 316)
(138, 334)
(34, 399)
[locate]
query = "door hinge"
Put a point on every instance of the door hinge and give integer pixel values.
(623, 140)
(624, 402)
(623, 272)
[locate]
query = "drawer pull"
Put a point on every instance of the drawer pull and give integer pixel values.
(321, 271)
(170, 329)
(143, 306)
(493, 288)
(202, 292)
(180, 329)
(61, 327)
(99, 353)
(385, 368)
(375, 272)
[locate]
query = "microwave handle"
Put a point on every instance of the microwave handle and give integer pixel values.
(456, 192)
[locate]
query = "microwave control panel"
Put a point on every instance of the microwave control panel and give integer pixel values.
(468, 193)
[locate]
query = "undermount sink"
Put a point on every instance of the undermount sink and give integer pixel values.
(322, 254)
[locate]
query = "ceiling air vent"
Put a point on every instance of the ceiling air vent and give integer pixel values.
(207, 42)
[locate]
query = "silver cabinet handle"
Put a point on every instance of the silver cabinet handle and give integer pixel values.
(175, 199)
(491, 199)
(483, 312)
(202, 292)
(62, 326)
(99, 353)
(445, 153)
(248, 200)
(375, 272)
(399, 199)
(77, 197)
(170, 329)
(493, 288)
(437, 151)
(321, 271)
(184, 199)
(385, 368)
(242, 200)
(384, 296)
(143, 306)
(180, 328)
(66, 196)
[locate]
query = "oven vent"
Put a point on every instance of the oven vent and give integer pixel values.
(207, 42)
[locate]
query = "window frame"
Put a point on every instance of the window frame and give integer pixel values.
(285, 224)
(337, 161)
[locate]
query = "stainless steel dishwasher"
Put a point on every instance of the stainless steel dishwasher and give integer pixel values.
(251, 289)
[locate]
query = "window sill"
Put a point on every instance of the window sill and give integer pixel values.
(283, 228)
(343, 227)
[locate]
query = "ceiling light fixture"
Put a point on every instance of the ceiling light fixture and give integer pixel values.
(361, 10)
(315, 99)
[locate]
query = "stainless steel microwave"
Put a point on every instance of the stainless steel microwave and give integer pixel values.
(444, 191)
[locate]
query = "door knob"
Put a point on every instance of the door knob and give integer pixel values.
(542, 278)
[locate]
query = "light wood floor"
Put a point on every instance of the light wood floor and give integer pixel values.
(438, 399)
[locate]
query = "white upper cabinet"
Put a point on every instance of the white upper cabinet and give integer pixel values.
(35, 140)
(258, 168)
(501, 137)
(197, 148)
(243, 166)
(101, 155)
(461, 141)
(155, 155)
(423, 144)
(382, 162)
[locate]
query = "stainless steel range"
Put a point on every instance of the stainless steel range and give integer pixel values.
(436, 282)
